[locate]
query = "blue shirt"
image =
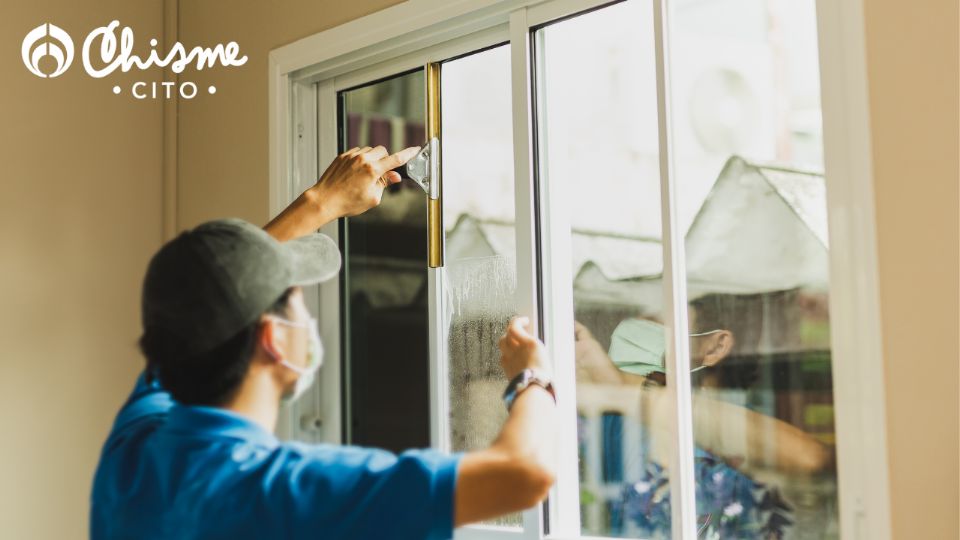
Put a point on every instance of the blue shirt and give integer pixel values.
(190, 472)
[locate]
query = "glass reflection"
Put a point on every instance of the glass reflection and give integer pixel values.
(480, 274)
(747, 141)
(597, 120)
(384, 279)
(751, 185)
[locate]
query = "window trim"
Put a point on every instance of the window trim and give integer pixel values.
(677, 361)
(307, 69)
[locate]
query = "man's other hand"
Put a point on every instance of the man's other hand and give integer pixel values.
(520, 349)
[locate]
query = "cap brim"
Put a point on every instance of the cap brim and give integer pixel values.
(314, 258)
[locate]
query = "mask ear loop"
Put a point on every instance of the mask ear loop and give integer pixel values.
(694, 370)
(296, 369)
(701, 334)
(708, 333)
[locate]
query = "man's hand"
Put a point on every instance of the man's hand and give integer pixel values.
(517, 470)
(351, 185)
(520, 349)
(355, 181)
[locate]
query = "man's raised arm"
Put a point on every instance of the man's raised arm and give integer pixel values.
(351, 185)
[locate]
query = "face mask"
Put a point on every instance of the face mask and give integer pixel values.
(638, 346)
(314, 359)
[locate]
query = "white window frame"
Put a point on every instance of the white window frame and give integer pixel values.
(303, 79)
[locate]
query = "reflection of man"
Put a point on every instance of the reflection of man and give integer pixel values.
(227, 337)
(638, 348)
(733, 443)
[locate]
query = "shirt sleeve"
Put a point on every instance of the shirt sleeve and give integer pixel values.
(357, 493)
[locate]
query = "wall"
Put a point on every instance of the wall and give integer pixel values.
(223, 141)
(913, 63)
(81, 213)
(79, 217)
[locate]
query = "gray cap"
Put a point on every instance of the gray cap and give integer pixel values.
(209, 283)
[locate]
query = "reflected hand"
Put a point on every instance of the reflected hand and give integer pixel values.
(355, 180)
(593, 364)
(520, 349)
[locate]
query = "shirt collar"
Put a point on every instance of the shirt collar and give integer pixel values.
(218, 422)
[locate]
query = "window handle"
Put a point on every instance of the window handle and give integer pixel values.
(424, 169)
(421, 167)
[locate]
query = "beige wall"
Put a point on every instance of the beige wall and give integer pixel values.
(79, 217)
(912, 51)
(223, 139)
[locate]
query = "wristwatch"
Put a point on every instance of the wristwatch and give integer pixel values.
(522, 381)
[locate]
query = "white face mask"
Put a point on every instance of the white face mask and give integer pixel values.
(314, 359)
(638, 346)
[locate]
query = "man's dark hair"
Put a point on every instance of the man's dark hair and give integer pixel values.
(752, 318)
(760, 322)
(212, 377)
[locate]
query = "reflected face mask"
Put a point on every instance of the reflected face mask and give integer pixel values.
(639, 346)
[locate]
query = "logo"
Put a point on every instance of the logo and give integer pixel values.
(47, 40)
(110, 48)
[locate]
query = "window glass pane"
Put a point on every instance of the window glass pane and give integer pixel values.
(384, 278)
(597, 121)
(752, 199)
(480, 241)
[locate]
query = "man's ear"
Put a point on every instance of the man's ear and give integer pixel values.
(718, 347)
(270, 339)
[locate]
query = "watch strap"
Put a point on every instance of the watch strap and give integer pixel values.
(525, 379)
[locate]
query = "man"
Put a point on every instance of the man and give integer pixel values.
(636, 358)
(227, 337)
(741, 456)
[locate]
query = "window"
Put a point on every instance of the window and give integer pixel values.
(756, 263)
(599, 155)
(480, 275)
(384, 278)
(752, 200)
(626, 173)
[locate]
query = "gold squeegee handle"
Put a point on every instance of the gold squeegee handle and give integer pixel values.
(434, 233)
(435, 251)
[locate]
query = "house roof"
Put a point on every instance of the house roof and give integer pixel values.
(761, 228)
